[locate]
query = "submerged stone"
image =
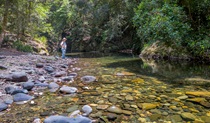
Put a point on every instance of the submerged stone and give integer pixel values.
(88, 79)
(115, 109)
(63, 119)
(68, 90)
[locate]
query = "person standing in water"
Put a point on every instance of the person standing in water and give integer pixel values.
(63, 47)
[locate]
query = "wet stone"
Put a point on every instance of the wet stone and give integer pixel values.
(114, 109)
(72, 108)
(188, 116)
(3, 106)
(113, 99)
(111, 116)
(176, 118)
(87, 110)
(155, 117)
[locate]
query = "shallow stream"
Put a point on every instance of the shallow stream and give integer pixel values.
(142, 90)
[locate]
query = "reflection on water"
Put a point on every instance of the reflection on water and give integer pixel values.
(170, 71)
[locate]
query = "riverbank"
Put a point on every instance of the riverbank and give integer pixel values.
(24, 77)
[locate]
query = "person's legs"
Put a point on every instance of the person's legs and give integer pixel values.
(63, 53)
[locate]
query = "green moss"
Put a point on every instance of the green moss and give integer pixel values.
(22, 47)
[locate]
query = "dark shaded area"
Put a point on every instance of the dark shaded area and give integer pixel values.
(178, 72)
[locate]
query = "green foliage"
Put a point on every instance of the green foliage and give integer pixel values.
(156, 22)
(21, 47)
(199, 47)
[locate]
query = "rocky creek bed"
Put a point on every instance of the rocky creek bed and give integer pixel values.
(48, 89)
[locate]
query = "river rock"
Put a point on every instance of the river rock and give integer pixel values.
(148, 106)
(188, 116)
(206, 119)
(9, 89)
(39, 65)
(22, 97)
(102, 107)
(19, 77)
(19, 91)
(63, 119)
(205, 104)
(73, 74)
(3, 67)
(155, 117)
(68, 78)
(111, 116)
(60, 73)
(40, 84)
(72, 108)
(68, 90)
(49, 69)
(28, 85)
(53, 86)
(129, 98)
(199, 93)
(183, 97)
(88, 79)
(197, 100)
(75, 113)
(176, 118)
(115, 109)
(87, 110)
(3, 106)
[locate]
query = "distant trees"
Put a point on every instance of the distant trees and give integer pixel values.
(182, 22)
(109, 25)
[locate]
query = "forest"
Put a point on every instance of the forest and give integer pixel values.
(108, 26)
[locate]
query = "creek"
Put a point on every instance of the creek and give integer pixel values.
(139, 90)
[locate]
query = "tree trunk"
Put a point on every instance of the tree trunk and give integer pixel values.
(5, 20)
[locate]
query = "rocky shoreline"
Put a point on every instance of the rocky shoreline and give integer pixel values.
(23, 77)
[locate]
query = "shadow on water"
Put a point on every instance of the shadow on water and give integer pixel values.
(172, 72)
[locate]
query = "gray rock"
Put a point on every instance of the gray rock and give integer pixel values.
(72, 74)
(111, 116)
(19, 91)
(3, 106)
(68, 90)
(87, 110)
(40, 84)
(63, 119)
(39, 65)
(22, 97)
(53, 86)
(28, 85)
(3, 67)
(60, 73)
(9, 89)
(67, 78)
(19, 77)
(88, 79)
(49, 69)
